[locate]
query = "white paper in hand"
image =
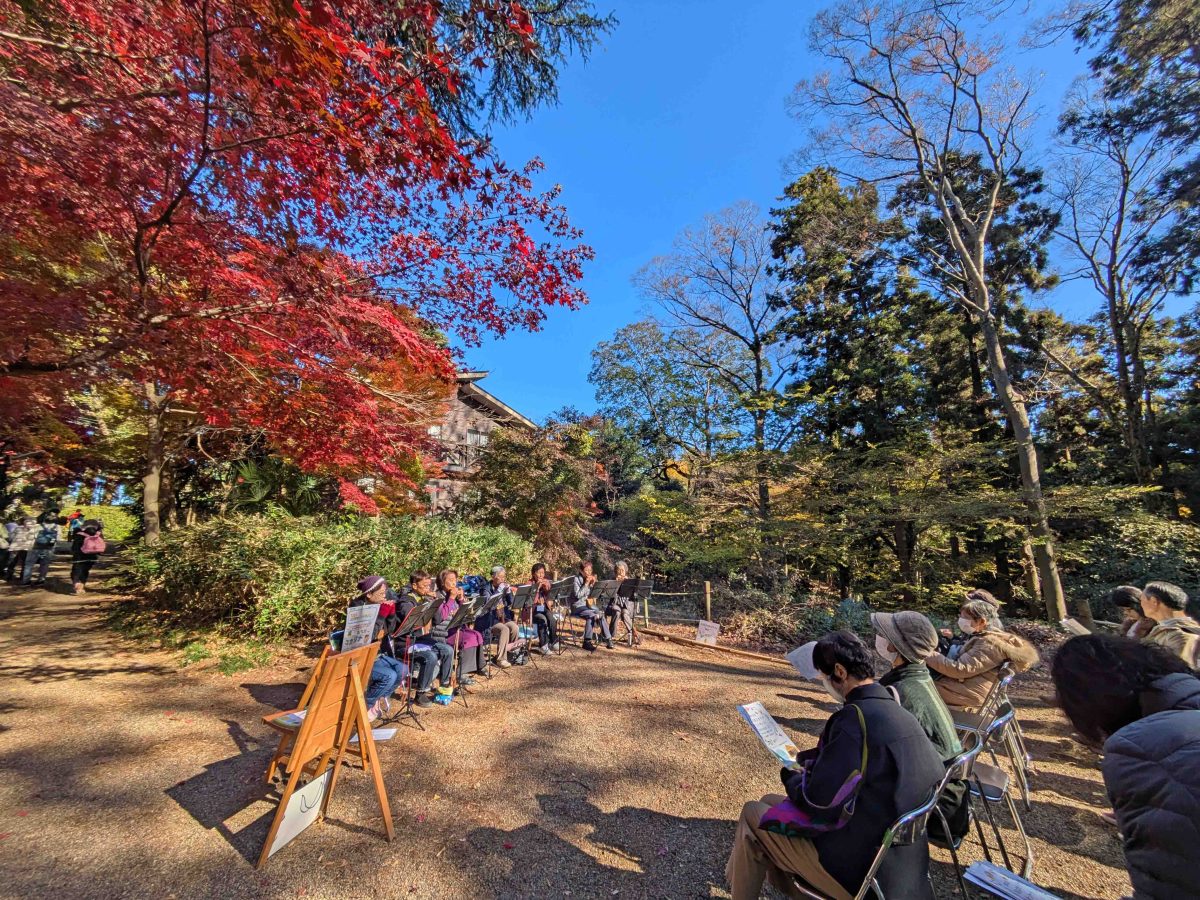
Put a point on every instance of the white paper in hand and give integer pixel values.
(769, 732)
(802, 661)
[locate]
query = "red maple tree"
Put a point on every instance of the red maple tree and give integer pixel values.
(261, 212)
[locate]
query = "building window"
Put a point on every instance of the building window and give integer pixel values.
(435, 432)
(476, 438)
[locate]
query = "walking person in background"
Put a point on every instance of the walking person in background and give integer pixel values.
(19, 546)
(1174, 630)
(86, 546)
(45, 541)
(1140, 706)
(74, 523)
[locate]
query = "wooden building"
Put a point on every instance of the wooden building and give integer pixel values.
(473, 415)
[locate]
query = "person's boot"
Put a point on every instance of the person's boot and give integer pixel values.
(608, 643)
(589, 646)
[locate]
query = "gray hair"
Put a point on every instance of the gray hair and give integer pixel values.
(981, 609)
(622, 566)
(497, 570)
(1167, 594)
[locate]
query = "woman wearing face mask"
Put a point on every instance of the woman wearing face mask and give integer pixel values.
(966, 680)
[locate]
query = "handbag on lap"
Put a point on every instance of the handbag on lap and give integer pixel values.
(789, 820)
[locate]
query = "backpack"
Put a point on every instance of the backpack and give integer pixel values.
(46, 538)
(93, 543)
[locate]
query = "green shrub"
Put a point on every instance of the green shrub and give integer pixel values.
(273, 575)
(119, 523)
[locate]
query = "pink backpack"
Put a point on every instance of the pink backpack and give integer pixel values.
(93, 543)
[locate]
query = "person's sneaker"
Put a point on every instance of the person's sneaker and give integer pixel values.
(556, 646)
(504, 664)
(589, 646)
(608, 644)
(544, 650)
(374, 712)
(466, 681)
(424, 700)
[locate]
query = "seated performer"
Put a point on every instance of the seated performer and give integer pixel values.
(427, 658)
(581, 589)
(543, 611)
(388, 672)
(468, 640)
(620, 608)
(498, 623)
(435, 638)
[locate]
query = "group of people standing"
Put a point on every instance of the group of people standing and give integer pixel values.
(1133, 696)
(439, 658)
(28, 546)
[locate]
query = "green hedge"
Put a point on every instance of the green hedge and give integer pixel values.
(119, 523)
(275, 575)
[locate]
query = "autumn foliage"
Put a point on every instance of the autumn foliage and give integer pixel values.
(261, 213)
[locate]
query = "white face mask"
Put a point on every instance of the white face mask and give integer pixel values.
(965, 625)
(830, 689)
(881, 647)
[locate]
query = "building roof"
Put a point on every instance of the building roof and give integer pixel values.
(473, 395)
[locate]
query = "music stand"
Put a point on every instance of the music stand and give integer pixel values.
(418, 617)
(562, 592)
(523, 600)
(457, 623)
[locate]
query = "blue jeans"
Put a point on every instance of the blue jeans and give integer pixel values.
(40, 557)
(385, 675)
(590, 615)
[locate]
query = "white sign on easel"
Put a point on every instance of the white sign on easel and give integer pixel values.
(706, 632)
(360, 626)
(302, 810)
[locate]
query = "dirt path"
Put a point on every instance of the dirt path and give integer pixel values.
(613, 774)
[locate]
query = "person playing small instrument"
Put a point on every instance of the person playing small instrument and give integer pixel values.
(543, 611)
(581, 608)
(498, 622)
(619, 607)
(468, 640)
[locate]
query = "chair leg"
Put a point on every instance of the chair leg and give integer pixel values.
(962, 885)
(1018, 765)
(987, 808)
(1027, 871)
(987, 851)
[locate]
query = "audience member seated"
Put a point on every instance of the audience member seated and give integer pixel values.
(1134, 623)
(1140, 706)
(902, 769)
(427, 658)
(580, 591)
(388, 672)
(468, 641)
(1174, 630)
(905, 640)
(498, 623)
(543, 611)
(966, 680)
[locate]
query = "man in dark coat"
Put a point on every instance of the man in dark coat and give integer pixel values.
(902, 770)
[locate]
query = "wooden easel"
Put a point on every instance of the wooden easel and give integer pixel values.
(335, 711)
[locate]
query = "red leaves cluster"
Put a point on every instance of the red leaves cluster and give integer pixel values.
(262, 208)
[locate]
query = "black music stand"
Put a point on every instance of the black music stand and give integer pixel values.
(561, 594)
(459, 620)
(523, 600)
(627, 597)
(418, 617)
(486, 602)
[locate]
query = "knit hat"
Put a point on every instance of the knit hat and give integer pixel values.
(369, 584)
(913, 635)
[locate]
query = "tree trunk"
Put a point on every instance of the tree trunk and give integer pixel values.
(155, 458)
(1031, 474)
(761, 472)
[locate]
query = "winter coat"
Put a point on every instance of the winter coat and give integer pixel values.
(1152, 772)
(22, 538)
(918, 694)
(580, 591)
(1179, 636)
(966, 681)
(902, 769)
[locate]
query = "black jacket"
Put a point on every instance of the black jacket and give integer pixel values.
(1152, 773)
(902, 769)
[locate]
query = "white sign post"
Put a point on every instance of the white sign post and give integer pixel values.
(706, 632)
(302, 810)
(360, 626)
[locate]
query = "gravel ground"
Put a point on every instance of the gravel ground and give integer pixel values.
(594, 775)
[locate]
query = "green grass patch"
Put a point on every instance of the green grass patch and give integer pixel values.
(242, 659)
(196, 651)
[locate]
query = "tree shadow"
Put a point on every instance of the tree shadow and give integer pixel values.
(276, 696)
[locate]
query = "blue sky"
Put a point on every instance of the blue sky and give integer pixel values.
(680, 113)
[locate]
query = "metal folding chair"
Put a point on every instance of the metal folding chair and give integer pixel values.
(960, 768)
(907, 829)
(1013, 739)
(992, 785)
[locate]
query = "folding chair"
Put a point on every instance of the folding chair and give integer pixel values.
(958, 770)
(907, 829)
(1013, 738)
(992, 785)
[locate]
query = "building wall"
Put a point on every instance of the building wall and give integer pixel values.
(463, 432)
